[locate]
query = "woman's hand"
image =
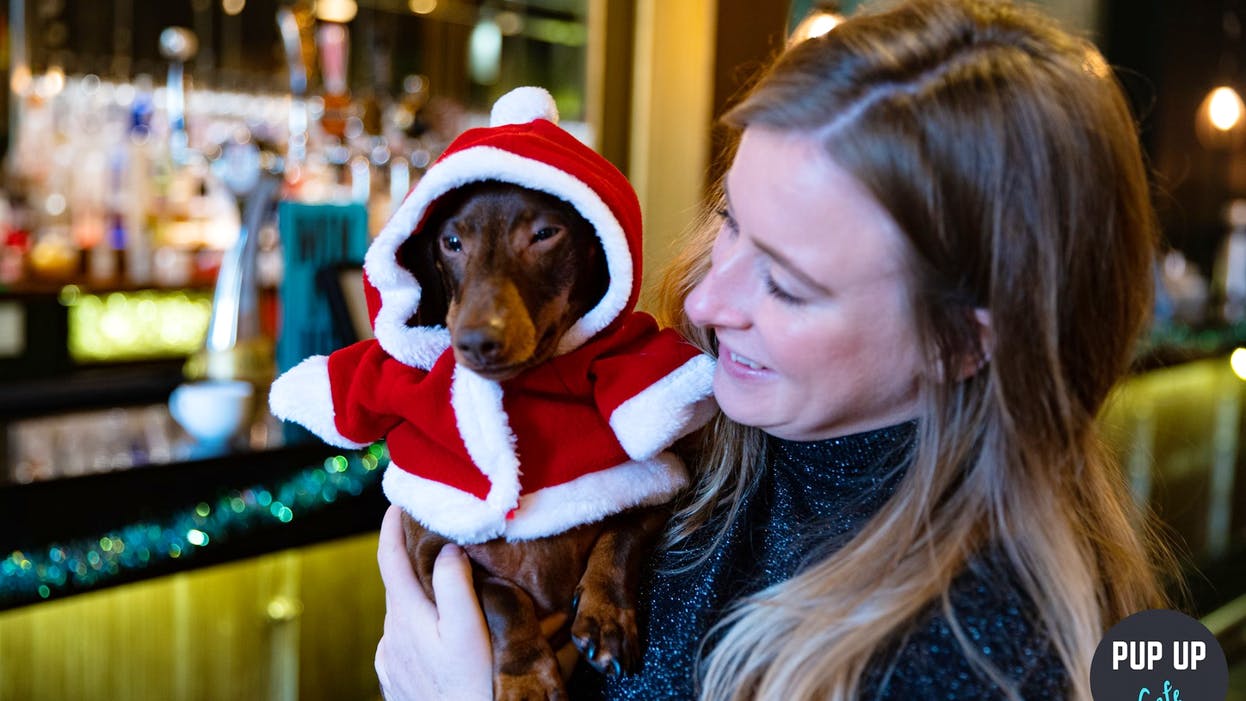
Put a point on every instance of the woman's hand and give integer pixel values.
(429, 651)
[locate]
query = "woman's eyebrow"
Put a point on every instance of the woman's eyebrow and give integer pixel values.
(791, 267)
(782, 260)
(777, 257)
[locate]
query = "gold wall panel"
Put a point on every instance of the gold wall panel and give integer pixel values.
(300, 624)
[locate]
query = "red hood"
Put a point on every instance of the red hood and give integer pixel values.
(538, 155)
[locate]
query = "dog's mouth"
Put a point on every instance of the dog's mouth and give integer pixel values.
(498, 373)
(507, 368)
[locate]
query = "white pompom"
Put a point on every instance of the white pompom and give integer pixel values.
(522, 105)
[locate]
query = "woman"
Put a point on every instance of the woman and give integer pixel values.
(932, 262)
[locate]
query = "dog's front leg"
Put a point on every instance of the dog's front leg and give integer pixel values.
(604, 628)
(524, 666)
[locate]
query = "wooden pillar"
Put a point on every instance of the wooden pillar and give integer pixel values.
(672, 105)
(608, 89)
(691, 60)
(749, 35)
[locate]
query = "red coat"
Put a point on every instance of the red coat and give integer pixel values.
(568, 442)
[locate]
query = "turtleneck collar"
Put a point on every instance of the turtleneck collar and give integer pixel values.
(815, 495)
(871, 455)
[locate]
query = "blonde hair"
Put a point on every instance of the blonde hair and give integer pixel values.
(1005, 151)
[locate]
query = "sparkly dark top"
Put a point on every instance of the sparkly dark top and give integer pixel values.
(811, 499)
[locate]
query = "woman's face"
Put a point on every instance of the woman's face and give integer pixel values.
(807, 297)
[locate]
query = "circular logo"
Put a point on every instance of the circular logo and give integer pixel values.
(1159, 655)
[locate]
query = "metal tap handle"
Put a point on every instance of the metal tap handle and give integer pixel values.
(178, 45)
(235, 303)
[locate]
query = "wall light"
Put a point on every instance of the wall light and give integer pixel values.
(422, 7)
(1218, 122)
(821, 19)
(1237, 361)
(1224, 108)
(341, 11)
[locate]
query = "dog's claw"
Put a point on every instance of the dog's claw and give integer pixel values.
(606, 634)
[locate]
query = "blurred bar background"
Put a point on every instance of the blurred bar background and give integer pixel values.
(187, 190)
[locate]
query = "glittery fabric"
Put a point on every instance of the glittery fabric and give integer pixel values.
(812, 498)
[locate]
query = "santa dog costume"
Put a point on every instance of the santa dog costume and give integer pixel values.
(568, 442)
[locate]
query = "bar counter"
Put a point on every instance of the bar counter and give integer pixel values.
(1175, 426)
(184, 510)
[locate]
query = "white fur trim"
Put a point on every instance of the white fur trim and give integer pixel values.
(522, 105)
(302, 395)
(466, 519)
(450, 512)
(597, 495)
(670, 408)
(417, 346)
(400, 293)
(486, 433)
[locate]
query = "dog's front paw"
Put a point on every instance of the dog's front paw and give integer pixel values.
(541, 681)
(605, 632)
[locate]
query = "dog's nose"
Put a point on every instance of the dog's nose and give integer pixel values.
(482, 344)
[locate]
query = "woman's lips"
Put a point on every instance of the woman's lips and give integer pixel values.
(739, 365)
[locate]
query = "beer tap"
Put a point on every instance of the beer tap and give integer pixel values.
(178, 45)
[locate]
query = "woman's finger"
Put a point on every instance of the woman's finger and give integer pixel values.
(427, 651)
(458, 609)
(397, 574)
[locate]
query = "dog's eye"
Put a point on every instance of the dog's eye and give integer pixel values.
(452, 243)
(545, 233)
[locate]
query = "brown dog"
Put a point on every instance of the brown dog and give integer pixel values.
(520, 394)
(517, 268)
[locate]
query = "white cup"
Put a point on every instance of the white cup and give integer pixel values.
(212, 411)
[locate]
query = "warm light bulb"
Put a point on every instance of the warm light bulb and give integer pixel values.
(336, 10)
(422, 7)
(51, 83)
(1225, 109)
(815, 25)
(1237, 361)
(20, 80)
(821, 24)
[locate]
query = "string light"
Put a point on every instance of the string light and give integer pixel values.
(60, 568)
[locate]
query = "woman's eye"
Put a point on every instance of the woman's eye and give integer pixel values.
(545, 233)
(780, 294)
(452, 243)
(728, 220)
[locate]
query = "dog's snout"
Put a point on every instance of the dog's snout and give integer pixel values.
(483, 344)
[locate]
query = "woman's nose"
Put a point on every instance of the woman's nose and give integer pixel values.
(719, 299)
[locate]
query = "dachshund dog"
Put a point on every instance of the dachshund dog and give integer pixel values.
(517, 267)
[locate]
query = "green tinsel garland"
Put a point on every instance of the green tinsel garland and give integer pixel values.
(90, 562)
